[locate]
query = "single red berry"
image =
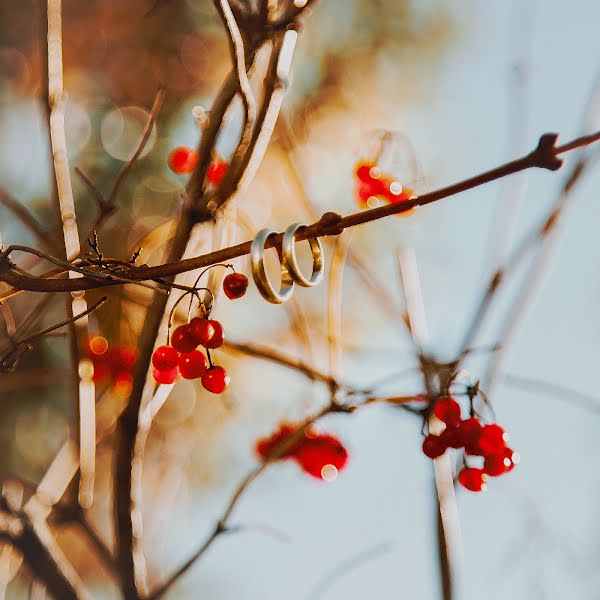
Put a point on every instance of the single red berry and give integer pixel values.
(192, 365)
(492, 439)
(451, 437)
(265, 446)
(322, 456)
(447, 410)
(202, 330)
(216, 171)
(164, 376)
(363, 171)
(433, 446)
(122, 358)
(183, 160)
(473, 479)
(235, 285)
(165, 358)
(494, 464)
(217, 339)
(101, 368)
(215, 380)
(183, 339)
(470, 430)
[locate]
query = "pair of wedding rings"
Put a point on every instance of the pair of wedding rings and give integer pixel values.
(290, 270)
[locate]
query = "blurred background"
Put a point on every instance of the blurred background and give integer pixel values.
(467, 85)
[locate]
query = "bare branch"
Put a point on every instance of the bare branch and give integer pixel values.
(544, 156)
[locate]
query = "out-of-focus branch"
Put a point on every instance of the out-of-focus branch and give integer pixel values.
(42, 554)
(279, 450)
(20, 347)
(544, 156)
(278, 357)
(132, 433)
(27, 219)
(108, 206)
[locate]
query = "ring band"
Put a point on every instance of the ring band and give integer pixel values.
(288, 247)
(264, 285)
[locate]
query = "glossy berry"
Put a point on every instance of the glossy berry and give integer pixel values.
(164, 376)
(470, 430)
(492, 439)
(447, 410)
(165, 358)
(433, 446)
(183, 160)
(473, 479)
(183, 339)
(322, 456)
(216, 171)
(265, 446)
(215, 380)
(202, 330)
(451, 437)
(217, 339)
(503, 462)
(192, 365)
(235, 285)
(363, 171)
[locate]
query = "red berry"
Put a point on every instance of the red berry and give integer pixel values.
(451, 437)
(494, 466)
(265, 446)
(164, 376)
(433, 446)
(122, 358)
(165, 358)
(217, 339)
(202, 330)
(447, 410)
(216, 171)
(215, 380)
(183, 160)
(101, 368)
(473, 479)
(192, 364)
(470, 430)
(235, 285)
(322, 456)
(503, 462)
(183, 339)
(363, 171)
(492, 439)
(369, 189)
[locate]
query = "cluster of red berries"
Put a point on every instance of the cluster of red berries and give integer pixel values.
(112, 363)
(321, 455)
(477, 439)
(184, 160)
(374, 186)
(182, 356)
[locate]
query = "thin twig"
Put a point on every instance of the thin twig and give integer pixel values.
(27, 219)
(222, 525)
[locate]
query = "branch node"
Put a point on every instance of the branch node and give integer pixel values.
(330, 222)
(544, 156)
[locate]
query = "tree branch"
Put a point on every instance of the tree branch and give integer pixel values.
(544, 156)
